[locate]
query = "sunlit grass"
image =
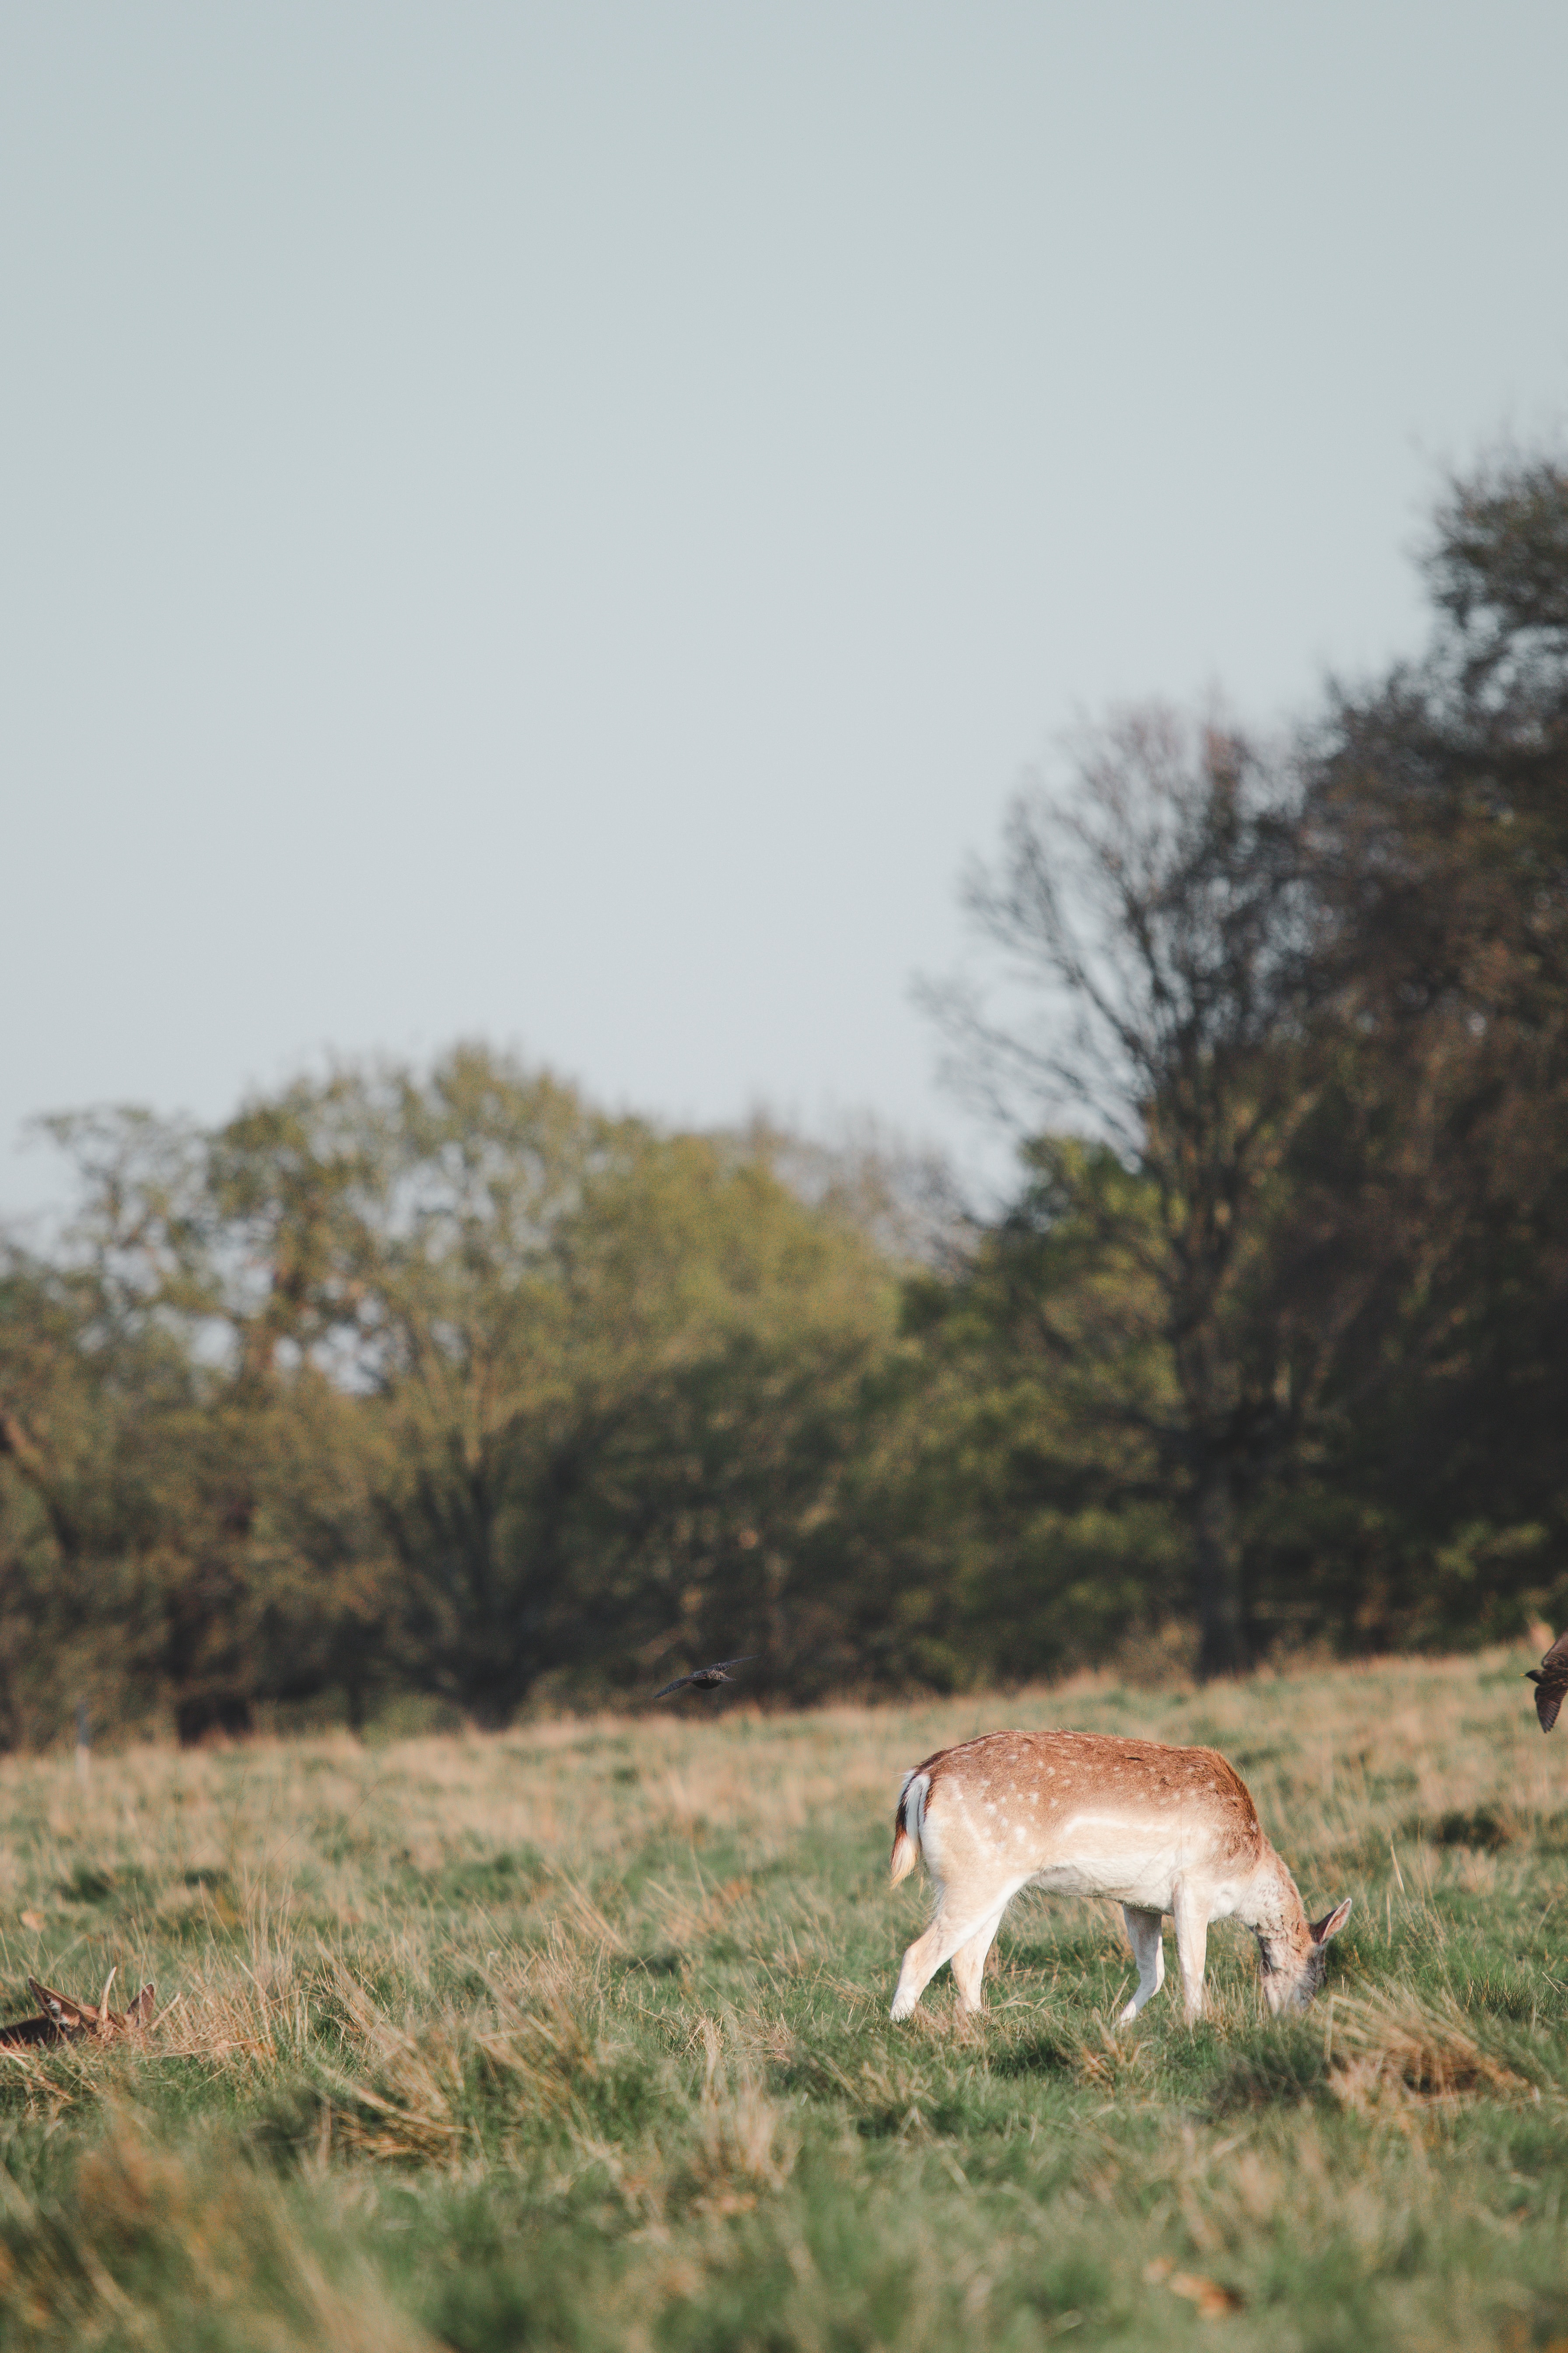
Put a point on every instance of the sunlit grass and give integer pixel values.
(578, 2036)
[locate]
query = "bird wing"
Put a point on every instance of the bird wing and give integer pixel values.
(1552, 1683)
(745, 1660)
(678, 1684)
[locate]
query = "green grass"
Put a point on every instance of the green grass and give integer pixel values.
(577, 2036)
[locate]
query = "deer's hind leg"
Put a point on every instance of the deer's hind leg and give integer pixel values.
(1143, 1934)
(953, 1929)
(969, 1966)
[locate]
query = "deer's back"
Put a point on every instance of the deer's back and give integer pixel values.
(1079, 1810)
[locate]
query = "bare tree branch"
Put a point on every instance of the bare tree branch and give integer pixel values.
(1155, 965)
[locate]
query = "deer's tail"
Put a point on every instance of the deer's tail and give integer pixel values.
(907, 1828)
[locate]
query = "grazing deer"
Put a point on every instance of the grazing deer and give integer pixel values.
(63, 2021)
(1157, 1830)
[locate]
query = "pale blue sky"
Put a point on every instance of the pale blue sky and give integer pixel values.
(566, 523)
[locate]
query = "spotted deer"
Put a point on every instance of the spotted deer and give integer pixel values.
(1155, 1828)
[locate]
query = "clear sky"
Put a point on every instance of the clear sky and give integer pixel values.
(566, 523)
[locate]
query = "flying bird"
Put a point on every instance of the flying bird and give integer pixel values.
(1551, 1681)
(707, 1678)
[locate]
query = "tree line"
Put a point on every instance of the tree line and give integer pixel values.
(443, 1382)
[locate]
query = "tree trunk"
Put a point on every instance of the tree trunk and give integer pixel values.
(1220, 1650)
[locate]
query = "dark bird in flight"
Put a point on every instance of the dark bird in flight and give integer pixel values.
(1551, 1681)
(707, 1678)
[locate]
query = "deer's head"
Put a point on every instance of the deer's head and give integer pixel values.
(1294, 1967)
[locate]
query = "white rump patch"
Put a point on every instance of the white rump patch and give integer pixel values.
(914, 1791)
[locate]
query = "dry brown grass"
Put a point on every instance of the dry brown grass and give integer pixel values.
(1399, 2041)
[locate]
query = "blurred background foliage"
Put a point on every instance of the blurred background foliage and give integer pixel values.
(444, 1390)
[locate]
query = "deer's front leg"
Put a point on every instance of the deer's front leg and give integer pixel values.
(1149, 1951)
(1192, 1948)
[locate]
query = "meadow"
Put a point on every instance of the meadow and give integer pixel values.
(577, 2036)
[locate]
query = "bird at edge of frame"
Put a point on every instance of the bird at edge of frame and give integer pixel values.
(1551, 1681)
(708, 1678)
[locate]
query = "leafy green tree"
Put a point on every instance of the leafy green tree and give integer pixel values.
(1023, 1509)
(117, 1528)
(606, 1379)
(732, 1336)
(180, 1473)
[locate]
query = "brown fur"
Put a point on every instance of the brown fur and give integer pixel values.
(1102, 1765)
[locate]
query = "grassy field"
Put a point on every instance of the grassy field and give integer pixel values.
(578, 2037)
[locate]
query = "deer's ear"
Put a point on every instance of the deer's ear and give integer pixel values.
(141, 2010)
(60, 2006)
(1331, 1922)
